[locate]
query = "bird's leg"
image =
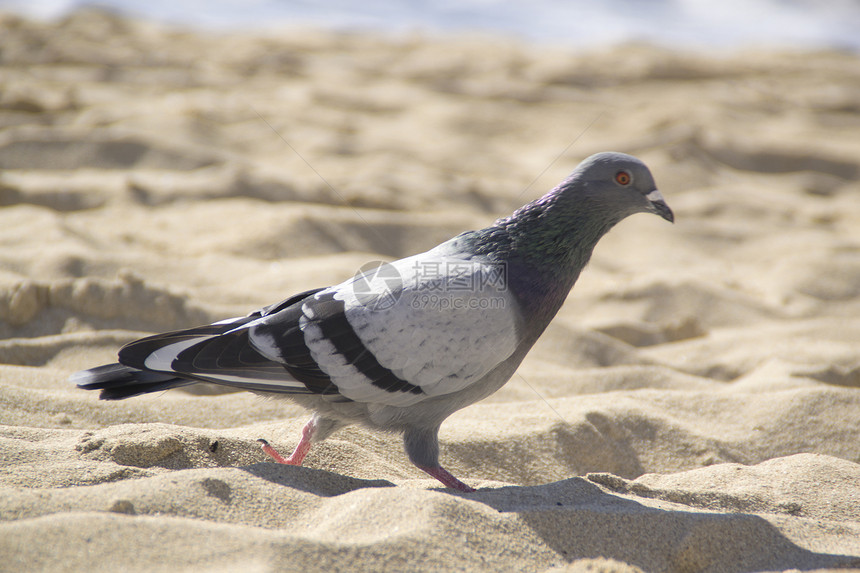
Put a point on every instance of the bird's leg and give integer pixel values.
(422, 446)
(446, 478)
(302, 449)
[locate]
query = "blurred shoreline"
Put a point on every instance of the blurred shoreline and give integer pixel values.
(678, 24)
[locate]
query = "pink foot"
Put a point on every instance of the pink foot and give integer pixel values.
(446, 478)
(302, 449)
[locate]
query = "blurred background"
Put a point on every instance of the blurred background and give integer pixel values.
(695, 23)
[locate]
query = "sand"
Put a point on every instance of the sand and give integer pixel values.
(695, 406)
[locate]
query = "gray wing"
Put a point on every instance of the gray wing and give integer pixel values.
(424, 326)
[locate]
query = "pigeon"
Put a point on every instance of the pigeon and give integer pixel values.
(403, 345)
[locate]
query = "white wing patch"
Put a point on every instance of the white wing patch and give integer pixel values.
(436, 322)
(162, 359)
(229, 320)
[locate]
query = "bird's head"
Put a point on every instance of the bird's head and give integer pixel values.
(559, 231)
(619, 183)
(547, 242)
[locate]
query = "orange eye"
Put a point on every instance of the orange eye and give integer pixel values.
(623, 178)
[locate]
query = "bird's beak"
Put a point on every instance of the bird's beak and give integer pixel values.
(658, 206)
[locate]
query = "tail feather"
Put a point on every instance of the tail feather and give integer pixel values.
(117, 381)
(220, 353)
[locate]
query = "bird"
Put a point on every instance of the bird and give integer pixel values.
(402, 346)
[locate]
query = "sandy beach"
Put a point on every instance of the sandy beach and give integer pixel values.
(694, 407)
